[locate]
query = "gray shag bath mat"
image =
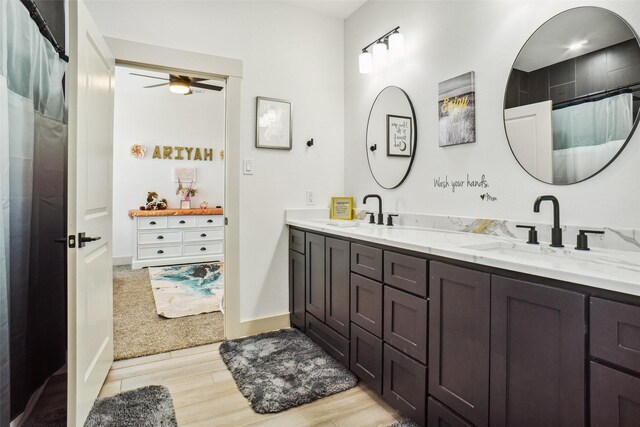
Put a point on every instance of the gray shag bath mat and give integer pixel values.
(149, 406)
(279, 370)
(405, 423)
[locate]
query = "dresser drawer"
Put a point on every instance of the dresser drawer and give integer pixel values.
(404, 385)
(366, 261)
(204, 248)
(164, 236)
(331, 341)
(182, 221)
(615, 333)
(406, 272)
(405, 323)
(210, 220)
(151, 222)
(366, 304)
(296, 240)
(147, 252)
(214, 233)
(366, 357)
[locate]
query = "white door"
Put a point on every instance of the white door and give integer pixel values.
(531, 138)
(90, 296)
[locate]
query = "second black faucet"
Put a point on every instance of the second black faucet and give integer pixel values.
(380, 216)
(556, 231)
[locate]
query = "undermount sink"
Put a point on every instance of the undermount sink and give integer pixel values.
(541, 251)
(343, 223)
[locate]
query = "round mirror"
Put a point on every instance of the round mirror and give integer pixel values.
(391, 137)
(571, 102)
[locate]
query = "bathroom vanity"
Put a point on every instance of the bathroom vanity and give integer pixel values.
(177, 236)
(463, 329)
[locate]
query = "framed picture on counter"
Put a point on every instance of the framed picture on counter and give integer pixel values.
(342, 208)
(185, 204)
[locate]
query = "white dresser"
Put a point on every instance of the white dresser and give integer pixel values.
(177, 239)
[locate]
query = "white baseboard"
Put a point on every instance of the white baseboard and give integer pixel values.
(122, 260)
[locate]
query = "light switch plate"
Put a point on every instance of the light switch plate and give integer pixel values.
(247, 167)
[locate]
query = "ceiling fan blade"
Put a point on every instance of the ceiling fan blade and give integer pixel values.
(161, 84)
(151, 77)
(189, 93)
(191, 79)
(205, 86)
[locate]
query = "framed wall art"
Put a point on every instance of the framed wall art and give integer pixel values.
(273, 123)
(341, 208)
(398, 136)
(457, 110)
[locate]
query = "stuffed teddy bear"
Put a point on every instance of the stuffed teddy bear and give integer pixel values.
(153, 203)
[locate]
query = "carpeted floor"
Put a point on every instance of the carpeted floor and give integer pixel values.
(139, 331)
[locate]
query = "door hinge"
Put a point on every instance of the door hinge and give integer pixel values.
(226, 221)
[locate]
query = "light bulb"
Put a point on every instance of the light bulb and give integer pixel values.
(366, 62)
(396, 45)
(380, 55)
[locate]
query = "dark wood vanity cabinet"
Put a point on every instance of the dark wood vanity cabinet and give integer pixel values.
(459, 340)
(448, 344)
(537, 374)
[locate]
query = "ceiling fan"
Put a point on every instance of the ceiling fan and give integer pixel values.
(180, 84)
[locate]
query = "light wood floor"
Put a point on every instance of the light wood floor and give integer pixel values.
(205, 394)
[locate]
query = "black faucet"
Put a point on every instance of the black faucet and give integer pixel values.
(380, 216)
(556, 231)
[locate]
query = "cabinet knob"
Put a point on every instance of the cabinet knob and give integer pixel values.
(160, 237)
(203, 235)
(182, 221)
(160, 251)
(203, 249)
(152, 223)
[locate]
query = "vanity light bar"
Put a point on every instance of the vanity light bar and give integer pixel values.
(389, 44)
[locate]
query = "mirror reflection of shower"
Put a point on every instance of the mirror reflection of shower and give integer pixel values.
(571, 101)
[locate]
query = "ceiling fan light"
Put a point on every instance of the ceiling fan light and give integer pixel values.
(179, 87)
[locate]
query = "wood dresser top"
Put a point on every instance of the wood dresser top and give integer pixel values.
(176, 212)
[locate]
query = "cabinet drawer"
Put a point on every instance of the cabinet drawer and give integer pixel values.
(366, 304)
(216, 233)
(406, 272)
(151, 222)
(182, 221)
(164, 236)
(366, 357)
(204, 248)
(366, 261)
(405, 384)
(439, 415)
(615, 398)
(615, 333)
(146, 252)
(331, 341)
(210, 220)
(296, 240)
(405, 323)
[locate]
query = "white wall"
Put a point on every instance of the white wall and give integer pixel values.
(158, 117)
(444, 39)
(288, 53)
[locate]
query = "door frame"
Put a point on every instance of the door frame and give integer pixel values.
(130, 53)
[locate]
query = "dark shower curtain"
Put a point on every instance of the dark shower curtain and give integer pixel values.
(32, 210)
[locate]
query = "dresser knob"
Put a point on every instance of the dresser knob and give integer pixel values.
(160, 251)
(182, 221)
(160, 237)
(152, 223)
(209, 221)
(203, 235)
(203, 249)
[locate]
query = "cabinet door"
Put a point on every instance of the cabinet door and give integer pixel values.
(296, 289)
(315, 275)
(439, 415)
(459, 340)
(537, 355)
(337, 285)
(615, 398)
(404, 384)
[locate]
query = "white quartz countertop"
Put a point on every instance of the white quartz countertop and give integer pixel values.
(609, 269)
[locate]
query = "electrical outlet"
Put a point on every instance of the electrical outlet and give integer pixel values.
(248, 167)
(311, 198)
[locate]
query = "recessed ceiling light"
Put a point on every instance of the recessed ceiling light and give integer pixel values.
(578, 45)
